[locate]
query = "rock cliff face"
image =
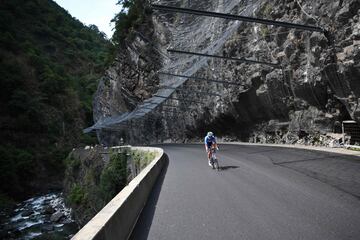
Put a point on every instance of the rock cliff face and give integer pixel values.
(92, 178)
(316, 87)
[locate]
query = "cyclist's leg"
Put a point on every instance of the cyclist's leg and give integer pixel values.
(209, 156)
(208, 150)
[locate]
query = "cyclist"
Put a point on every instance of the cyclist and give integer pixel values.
(210, 141)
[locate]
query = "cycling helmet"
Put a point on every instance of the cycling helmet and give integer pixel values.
(210, 134)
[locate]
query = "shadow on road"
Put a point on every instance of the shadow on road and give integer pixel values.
(224, 168)
(142, 227)
(324, 158)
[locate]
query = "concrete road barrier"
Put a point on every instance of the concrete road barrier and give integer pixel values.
(118, 218)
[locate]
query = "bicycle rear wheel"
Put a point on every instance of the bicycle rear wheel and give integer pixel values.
(213, 163)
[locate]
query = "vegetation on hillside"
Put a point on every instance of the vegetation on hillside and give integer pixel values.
(50, 64)
(130, 18)
(89, 187)
(93, 178)
(142, 158)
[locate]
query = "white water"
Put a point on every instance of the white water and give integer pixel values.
(29, 227)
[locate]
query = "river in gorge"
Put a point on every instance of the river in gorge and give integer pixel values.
(40, 217)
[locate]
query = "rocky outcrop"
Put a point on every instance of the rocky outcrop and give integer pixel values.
(43, 217)
(315, 89)
(82, 177)
(94, 175)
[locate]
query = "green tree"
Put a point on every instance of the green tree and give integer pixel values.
(50, 64)
(129, 18)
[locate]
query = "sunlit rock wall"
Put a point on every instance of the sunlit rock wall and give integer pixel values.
(316, 87)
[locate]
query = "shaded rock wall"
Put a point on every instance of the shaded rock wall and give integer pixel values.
(317, 86)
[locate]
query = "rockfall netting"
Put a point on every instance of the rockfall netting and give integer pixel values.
(189, 33)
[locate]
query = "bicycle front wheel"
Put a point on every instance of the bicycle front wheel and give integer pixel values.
(216, 164)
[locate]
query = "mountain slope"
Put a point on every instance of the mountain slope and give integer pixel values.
(49, 66)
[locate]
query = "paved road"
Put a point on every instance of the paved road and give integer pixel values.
(261, 193)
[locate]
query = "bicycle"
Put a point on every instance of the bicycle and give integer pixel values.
(213, 159)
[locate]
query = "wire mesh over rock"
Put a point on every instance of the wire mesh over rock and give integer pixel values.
(314, 88)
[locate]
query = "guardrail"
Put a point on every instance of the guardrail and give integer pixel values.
(118, 218)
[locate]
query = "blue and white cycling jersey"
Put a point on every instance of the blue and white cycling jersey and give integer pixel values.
(209, 140)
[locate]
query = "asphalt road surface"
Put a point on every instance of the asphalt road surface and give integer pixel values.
(260, 193)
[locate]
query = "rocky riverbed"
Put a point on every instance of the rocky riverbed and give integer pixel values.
(42, 217)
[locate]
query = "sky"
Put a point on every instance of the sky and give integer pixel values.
(98, 12)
